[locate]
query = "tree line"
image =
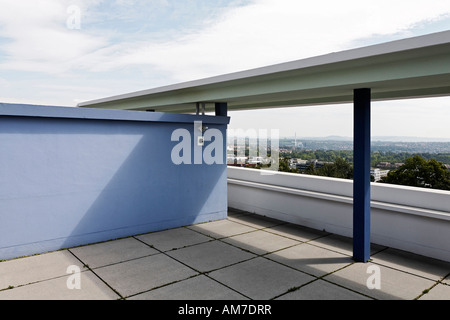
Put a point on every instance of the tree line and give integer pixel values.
(416, 171)
(376, 157)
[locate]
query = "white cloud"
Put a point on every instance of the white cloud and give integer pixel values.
(39, 39)
(269, 31)
(261, 33)
(238, 36)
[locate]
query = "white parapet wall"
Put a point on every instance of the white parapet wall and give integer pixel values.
(406, 218)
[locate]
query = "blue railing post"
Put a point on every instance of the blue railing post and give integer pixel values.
(361, 176)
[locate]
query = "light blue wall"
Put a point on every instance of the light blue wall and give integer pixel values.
(71, 176)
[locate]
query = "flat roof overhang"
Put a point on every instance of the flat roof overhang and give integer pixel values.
(409, 68)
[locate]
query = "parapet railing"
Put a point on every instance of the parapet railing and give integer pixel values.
(407, 218)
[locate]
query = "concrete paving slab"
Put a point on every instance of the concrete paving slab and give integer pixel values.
(36, 268)
(260, 278)
(322, 290)
(439, 292)
(173, 239)
(91, 288)
(395, 284)
(296, 232)
(143, 274)
(196, 288)
(260, 242)
(106, 253)
(419, 265)
(313, 260)
(136, 270)
(221, 229)
(256, 221)
(210, 255)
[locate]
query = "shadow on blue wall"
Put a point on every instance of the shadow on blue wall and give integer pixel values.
(71, 182)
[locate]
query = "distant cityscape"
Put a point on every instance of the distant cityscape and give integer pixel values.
(302, 155)
(379, 144)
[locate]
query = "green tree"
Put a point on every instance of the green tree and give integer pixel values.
(283, 166)
(339, 169)
(310, 169)
(418, 172)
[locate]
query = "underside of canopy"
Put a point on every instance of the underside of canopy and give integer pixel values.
(409, 68)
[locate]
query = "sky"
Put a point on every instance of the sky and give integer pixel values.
(62, 52)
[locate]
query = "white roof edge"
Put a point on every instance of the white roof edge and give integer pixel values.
(406, 44)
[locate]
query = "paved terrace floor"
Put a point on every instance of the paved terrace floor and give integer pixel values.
(245, 257)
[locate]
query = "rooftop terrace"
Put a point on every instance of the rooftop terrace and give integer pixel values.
(93, 179)
(244, 257)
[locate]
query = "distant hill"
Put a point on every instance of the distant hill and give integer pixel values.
(375, 138)
(409, 139)
(328, 138)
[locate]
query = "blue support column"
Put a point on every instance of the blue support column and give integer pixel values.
(221, 109)
(361, 176)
